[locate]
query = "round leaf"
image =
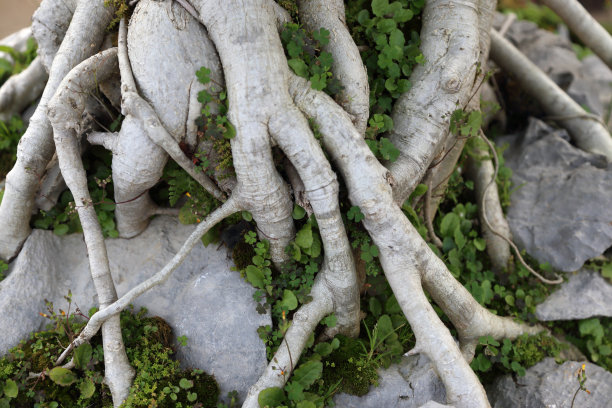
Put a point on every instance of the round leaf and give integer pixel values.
(271, 397)
(62, 376)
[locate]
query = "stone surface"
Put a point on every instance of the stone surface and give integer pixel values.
(561, 211)
(410, 384)
(549, 385)
(202, 300)
(586, 294)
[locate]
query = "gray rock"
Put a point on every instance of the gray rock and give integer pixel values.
(549, 385)
(410, 384)
(202, 300)
(586, 294)
(561, 210)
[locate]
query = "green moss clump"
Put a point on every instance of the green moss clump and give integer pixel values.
(530, 350)
(159, 382)
(242, 254)
(348, 367)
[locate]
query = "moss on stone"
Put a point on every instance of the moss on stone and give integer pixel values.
(348, 366)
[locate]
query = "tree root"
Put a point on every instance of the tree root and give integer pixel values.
(500, 234)
(36, 148)
(65, 110)
(347, 66)
(588, 134)
(442, 84)
(22, 89)
(580, 21)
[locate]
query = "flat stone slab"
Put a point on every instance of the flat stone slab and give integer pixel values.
(551, 385)
(410, 384)
(203, 299)
(561, 210)
(586, 294)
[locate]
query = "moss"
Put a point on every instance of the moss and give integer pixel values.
(242, 254)
(148, 343)
(347, 365)
(530, 350)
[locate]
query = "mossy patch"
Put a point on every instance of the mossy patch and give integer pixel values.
(347, 365)
(159, 381)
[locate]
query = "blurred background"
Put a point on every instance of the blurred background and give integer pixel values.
(16, 14)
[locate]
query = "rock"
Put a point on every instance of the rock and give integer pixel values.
(586, 294)
(202, 300)
(410, 384)
(560, 212)
(550, 385)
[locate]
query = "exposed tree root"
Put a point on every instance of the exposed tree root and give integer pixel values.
(36, 146)
(580, 21)
(450, 43)
(22, 89)
(588, 133)
(65, 110)
(347, 66)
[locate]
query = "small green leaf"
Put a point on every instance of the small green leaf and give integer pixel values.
(355, 214)
(62, 376)
(306, 404)
(289, 300)
(375, 306)
(450, 222)
(307, 373)
(10, 388)
(298, 212)
(185, 383)
(255, 276)
(379, 7)
(82, 356)
(323, 349)
(480, 244)
(61, 229)
(295, 391)
(192, 396)
(87, 388)
(247, 216)
(271, 397)
(330, 321)
(318, 82)
(203, 75)
(304, 237)
(387, 150)
(299, 67)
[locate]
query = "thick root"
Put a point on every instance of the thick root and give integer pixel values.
(65, 110)
(22, 89)
(587, 131)
(36, 147)
(580, 21)
(347, 66)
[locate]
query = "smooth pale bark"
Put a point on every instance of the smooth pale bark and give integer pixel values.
(581, 23)
(347, 66)
(586, 131)
(50, 23)
(65, 110)
(453, 146)
(405, 256)
(22, 89)
(450, 44)
(258, 91)
(36, 146)
(480, 169)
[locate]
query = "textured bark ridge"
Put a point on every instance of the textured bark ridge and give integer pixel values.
(238, 41)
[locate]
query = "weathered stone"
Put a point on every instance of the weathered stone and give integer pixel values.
(203, 299)
(550, 385)
(409, 384)
(586, 294)
(561, 211)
